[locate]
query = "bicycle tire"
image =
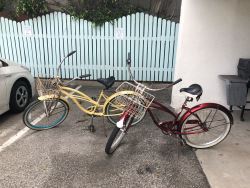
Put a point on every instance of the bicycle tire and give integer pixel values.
(114, 119)
(115, 138)
(41, 121)
(210, 120)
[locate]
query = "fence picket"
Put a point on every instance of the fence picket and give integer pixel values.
(101, 51)
(5, 39)
(107, 49)
(162, 54)
(128, 41)
(171, 51)
(102, 55)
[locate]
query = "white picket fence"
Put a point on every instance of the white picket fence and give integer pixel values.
(41, 43)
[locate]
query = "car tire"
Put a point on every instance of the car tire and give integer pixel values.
(19, 97)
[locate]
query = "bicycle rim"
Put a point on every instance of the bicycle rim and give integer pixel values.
(205, 128)
(120, 135)
(115, 109)
(45, 114)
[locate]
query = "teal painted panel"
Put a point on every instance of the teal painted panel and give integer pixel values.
(17, 43)
(74, 38)
(124, 50)
(80, 47)
(11, 45)
(171, 51)
(103, 52)
(1, 40)
(162, 53)
(107, 48)
(153, 59)
(5, 39)
(137, 46)
(175, 47)
(119, 49)
(132, 45)
(115, 51)
(158, 48)
(150, 50)
(90, 46)
(98, 52)
(86, 47)
(54, 55)
(128, 42)
(111, 50)
(166, 54)
(145, 47)
(68, 49)
(141, 46)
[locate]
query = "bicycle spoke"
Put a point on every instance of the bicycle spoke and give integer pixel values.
(206, 127)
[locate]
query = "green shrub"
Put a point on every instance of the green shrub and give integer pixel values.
(100, 11)
(31, 8)
(2, 4)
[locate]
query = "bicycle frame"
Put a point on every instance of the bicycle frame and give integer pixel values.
(77, 96)
(174, 127)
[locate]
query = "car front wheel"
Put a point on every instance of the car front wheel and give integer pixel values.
(19, 97)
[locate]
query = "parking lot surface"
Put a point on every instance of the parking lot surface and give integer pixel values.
(70, 156)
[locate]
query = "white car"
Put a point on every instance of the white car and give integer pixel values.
(17, 86)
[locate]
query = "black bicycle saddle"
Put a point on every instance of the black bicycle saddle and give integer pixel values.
(107, 82)
(194, 89)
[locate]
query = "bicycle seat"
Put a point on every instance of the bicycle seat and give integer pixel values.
(107, 82)
(194, 89)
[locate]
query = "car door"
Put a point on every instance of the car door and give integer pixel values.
(3, 97)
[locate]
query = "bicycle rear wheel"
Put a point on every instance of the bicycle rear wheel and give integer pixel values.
(47, 114)
(115, 109)
(117, 136)
(206, 127)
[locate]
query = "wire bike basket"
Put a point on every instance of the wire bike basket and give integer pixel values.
(136, 105)
(47, 87)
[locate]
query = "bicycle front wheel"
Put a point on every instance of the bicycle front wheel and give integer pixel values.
(115, 109)
(46, 114)
(206, 127)
(117, 136)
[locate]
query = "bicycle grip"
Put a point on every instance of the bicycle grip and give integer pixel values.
(177, 81)
(71, 53)
(85, 76)
(129, 58)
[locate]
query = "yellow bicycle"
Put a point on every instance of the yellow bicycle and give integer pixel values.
(51, 108)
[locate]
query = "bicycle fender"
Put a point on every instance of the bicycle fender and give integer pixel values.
(47, 97)
(205, 105)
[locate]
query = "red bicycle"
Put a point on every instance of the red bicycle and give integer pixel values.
(201, 126)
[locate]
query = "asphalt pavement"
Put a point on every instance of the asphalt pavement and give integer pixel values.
(70, 156)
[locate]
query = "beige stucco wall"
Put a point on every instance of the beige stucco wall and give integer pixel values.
(213, 35)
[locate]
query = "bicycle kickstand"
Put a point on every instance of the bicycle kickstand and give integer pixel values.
(91, 126)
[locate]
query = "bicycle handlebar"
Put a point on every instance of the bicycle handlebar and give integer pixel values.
(148, 88)
(71, 53)
(59, 66)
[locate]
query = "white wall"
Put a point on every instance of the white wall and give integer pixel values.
(213, 35)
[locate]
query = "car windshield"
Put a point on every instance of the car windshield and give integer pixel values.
(4, 63)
